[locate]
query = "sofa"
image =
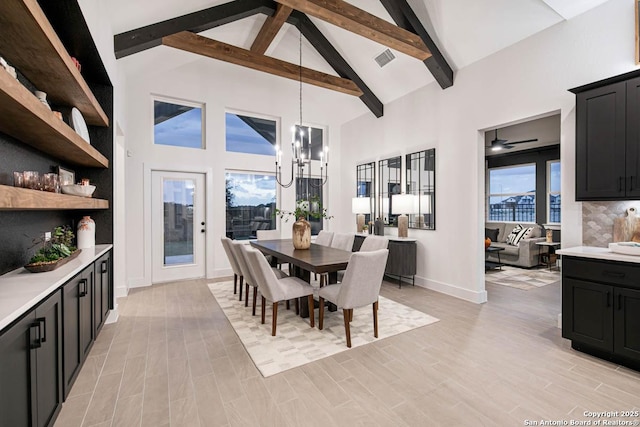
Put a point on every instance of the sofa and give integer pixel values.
(525, 254)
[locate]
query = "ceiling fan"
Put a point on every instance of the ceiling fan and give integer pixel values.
(499, 144)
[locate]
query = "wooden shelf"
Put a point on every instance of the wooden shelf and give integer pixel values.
(15, 198)
(31, 45)
(25, 118)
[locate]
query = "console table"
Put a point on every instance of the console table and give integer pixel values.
(402, 256)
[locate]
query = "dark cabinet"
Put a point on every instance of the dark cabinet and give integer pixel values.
(77, 303)
(101, 291)
(601, 308)
(31, 367)
(607, 137)
(402, 256)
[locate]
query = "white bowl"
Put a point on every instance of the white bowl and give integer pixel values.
(78, 190)
(626, 248)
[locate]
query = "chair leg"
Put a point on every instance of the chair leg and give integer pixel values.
(312, 313)
(375, 319)
(322, 280)
(351, 315)
(321, 313)
(347, 329)
(255, 296)
(287, 305)
(297, 302)
(246, 295)
(235, 283)
(264, 302)
(274, 319)
(241, 281)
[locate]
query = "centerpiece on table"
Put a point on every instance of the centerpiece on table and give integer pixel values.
(56, 251)
(305, 209)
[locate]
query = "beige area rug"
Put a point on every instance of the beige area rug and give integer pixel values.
(522, 278)
(296, 343)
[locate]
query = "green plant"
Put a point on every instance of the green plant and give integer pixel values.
(311, 208)
(60, 245)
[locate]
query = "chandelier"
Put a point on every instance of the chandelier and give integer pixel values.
(301, 152)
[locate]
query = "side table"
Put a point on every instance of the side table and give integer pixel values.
(488, 265)
(551, 256)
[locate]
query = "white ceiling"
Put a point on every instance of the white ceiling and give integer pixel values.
(465, 31)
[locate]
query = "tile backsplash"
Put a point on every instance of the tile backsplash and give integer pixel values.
(597, 220)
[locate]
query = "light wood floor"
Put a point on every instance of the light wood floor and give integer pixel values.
(173, 360)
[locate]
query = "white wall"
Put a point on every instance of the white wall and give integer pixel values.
(219, 86)
(525, 80)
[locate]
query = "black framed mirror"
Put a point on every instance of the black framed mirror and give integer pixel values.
(390, 183)
(421, 182)
(365, 186)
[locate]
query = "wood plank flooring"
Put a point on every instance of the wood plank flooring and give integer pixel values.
(173, 360)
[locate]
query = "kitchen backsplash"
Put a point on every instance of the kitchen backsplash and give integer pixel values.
(597, 220)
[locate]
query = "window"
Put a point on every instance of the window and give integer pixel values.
(315, 149)
(311, 189)
(178, 124)
(553, 191)
(512, 193)
(390, 176)
(251, 135)
(365, 181)
(251, 203)
(421, 171)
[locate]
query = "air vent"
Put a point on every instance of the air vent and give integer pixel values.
(384, 58)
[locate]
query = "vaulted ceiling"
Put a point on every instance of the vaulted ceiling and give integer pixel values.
(431, 39)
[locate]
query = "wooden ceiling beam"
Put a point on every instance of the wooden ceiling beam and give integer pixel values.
(270, 29)
(214, 49)
(351, 18)
(404, 16)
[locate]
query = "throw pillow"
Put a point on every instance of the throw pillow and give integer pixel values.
(518, 233)
(517, 229)
(491, 233)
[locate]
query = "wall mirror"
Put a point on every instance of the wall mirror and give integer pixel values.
(421, 182)
(390, 173)
(365, 186)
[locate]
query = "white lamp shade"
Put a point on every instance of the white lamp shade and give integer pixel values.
(402, 204)
(385, 206)
(361, 205)
(423, 203)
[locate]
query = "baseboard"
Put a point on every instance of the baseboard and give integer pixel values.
(113, 316)
(221, 272)
(477, 297)
(138, 282)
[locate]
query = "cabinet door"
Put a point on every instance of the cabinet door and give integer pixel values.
(587, 313)
(49, 360)
(101, 290)
(600, 143)
(402, 258)
(627, 323)
(18, 373)
(633, 138)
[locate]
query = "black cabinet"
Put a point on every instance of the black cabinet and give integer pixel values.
(607, 137)
(101, 291)
(402, 256)
(31, 367)
(77, 303)
(601, 308)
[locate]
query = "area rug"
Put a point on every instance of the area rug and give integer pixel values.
(296, 343)
(522, 278)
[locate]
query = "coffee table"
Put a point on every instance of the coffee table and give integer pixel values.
(488, 265)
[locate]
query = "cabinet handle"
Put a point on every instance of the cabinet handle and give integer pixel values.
(103, 268)
(42, 328)
(619, 301)
(35, 342)
(608, 299)
(83, 288)
(620, 184)
(614, 274)
(631, 183)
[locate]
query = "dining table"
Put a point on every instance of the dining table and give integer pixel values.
(317, 259)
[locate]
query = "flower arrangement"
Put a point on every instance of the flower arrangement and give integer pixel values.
(311, 208)
(57, 248)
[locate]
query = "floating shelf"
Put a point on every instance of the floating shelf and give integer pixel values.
(31, 45)
(25, 118)
(15, 198)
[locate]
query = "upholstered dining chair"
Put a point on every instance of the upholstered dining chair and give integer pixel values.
(360, 287)
(275, 290)
(373, 243)
(324, 238)
(237, 273)
(343, 241)
(268, 234)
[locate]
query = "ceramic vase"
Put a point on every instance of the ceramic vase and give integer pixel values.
(42, 97)
(301, 234)
(86, 233)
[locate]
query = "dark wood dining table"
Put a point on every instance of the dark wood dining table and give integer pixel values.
(317, 259)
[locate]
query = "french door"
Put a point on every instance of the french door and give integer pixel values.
(177, 225)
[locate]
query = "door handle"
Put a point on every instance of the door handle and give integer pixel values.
(103, 267)
(631, 183)
(620, 184)
(614, 274)
(608, 299)
(42, 328)
(83, 288)
(619, 301)
(35, 342)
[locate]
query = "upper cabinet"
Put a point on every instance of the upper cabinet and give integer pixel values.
(30, 44)
(607, 138)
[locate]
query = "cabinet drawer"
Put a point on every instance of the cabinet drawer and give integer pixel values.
(613, 273)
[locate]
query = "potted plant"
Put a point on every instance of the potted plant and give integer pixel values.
(305, 209)
(53, 253)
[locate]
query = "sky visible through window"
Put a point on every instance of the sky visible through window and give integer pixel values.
(251, 189)
(181, 130)
(513, 180)
(554, 185)
(242, 138)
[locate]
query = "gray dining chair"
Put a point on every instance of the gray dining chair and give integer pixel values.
(268, 234)
(373, 243)
(360, 287)
(324, 238)
(343, 241)
(275, 290)
(237, 273)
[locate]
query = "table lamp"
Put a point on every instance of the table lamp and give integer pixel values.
(403, 204)
(360, 206)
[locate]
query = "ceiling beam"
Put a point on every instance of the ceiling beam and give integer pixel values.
(349, 17)
(143, 38)
(335, 60)
(404, 16)
(214, 49)
(270, 29)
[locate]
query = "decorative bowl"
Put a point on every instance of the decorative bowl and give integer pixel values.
(78, 190)
(626, 248)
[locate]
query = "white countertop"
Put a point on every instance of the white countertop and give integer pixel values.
(21, 290)
(598, 253)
